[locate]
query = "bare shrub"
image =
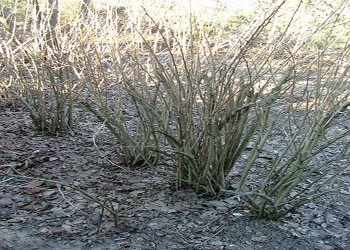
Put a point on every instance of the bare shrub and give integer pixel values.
(211, 100)
(43, 66)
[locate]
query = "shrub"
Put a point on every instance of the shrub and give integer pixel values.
(208, 100)
(212, 101)
(43, 66)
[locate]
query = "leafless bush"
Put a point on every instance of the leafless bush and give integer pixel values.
(208, 105)
(212, 102)
(42, 64)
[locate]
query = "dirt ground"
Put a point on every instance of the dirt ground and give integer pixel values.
(38, 214)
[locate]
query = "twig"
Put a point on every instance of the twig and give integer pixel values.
(98, 149)
(114, 214)
(63, 196)
(100, 219)
(240, 194)
(218, 232)
(76, 188)
(181, 236)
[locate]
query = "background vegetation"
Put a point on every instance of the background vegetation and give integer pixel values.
(209, 88)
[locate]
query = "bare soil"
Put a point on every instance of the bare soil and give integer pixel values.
(37, 214)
